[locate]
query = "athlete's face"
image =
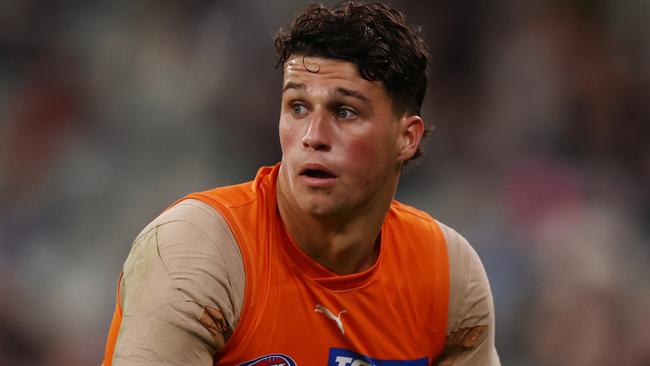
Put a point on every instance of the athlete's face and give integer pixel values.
(342, 143)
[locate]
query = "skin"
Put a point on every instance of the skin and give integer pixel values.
(333, 119)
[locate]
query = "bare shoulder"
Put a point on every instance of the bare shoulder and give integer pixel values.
(189, 235)
(470, 324)
(182, 285)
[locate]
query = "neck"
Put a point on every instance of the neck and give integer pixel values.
(344, 243)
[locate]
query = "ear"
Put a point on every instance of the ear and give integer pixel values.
(411, 131)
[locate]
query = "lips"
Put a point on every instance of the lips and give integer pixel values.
(317, 176)
(317, 171)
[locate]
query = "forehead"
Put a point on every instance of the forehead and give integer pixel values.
(315, 72)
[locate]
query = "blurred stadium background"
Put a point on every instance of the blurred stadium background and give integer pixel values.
(110, 110)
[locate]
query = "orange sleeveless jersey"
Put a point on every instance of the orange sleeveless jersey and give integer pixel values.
(297, 312)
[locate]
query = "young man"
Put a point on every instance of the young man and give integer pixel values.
(313, 262)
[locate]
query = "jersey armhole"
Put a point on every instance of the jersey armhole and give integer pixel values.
(441, 303)
(114, 329)
(245, 322)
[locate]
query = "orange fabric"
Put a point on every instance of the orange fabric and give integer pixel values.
(395, 313)
(114, 329)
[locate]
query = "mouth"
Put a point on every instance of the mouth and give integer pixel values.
(317, 173)
(318, 176)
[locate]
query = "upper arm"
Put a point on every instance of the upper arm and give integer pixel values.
(181, 290)
(470, 326)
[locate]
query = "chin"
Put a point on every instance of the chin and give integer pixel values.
(315, 207)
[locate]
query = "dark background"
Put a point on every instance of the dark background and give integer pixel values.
(111, 110)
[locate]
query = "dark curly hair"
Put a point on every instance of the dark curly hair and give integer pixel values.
(374, 37)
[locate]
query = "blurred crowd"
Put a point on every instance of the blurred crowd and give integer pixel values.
(111, 110)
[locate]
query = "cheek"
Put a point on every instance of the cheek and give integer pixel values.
(288, 136)
(368, 161)
(361, 152)
(368, 151)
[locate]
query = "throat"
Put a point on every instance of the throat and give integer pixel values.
(340, 256)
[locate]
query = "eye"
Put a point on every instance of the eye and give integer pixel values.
(345, 113)
(298, 109)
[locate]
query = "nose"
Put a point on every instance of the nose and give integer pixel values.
(317, 136)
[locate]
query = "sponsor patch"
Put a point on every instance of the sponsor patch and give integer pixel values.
(343, 357)
(275, 359)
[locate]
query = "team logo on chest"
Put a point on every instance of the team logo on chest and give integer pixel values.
(275, 359)
(337, 318)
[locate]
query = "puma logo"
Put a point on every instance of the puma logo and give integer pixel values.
(337, 319)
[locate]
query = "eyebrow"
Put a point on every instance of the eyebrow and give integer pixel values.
(339, 90)
(351, 93)
(293, 85)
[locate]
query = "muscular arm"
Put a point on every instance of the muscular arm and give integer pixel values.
(470, 325)
(182, 289)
